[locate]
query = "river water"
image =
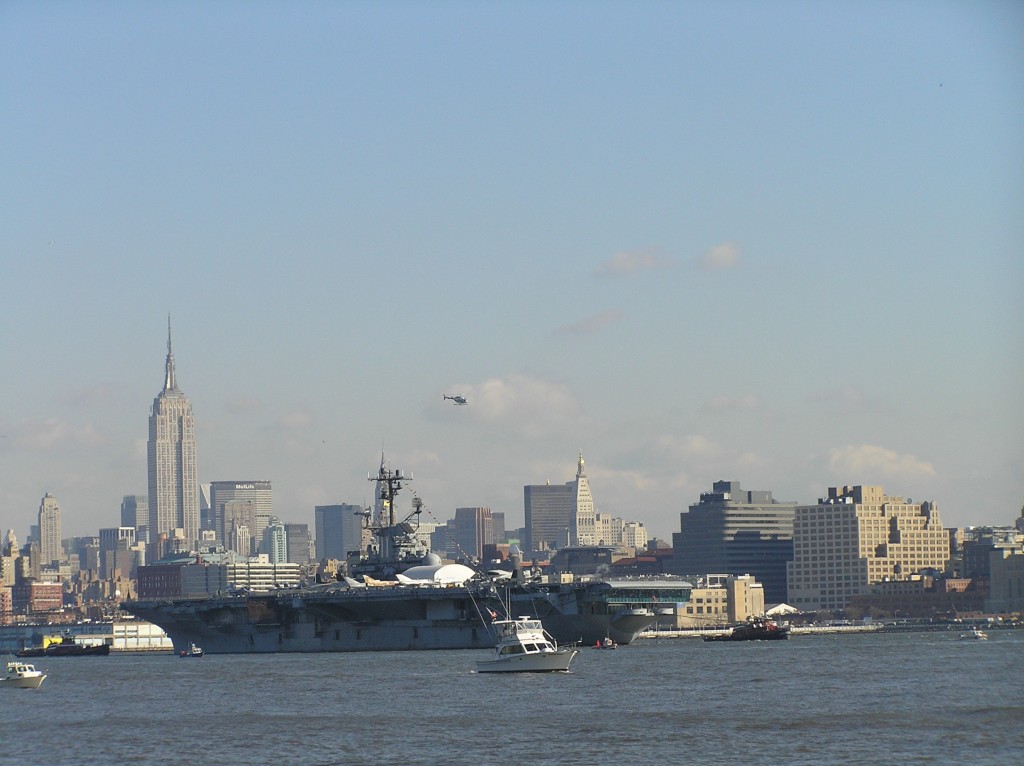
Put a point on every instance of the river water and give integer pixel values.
(912, 698)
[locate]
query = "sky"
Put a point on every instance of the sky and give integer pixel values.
(774, 243)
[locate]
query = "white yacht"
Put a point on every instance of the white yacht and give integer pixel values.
(22, 675)
(524, 647)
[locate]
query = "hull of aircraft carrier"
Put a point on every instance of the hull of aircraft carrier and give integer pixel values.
(338, 618)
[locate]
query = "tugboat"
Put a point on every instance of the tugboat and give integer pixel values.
(524, 647)
(67, 647)
(192, 651)
(756, 629)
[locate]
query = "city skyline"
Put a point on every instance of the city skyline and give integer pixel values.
(772, 245)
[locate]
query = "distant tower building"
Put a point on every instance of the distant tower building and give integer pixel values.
(206, 520)
(634, 534)
(239, 539)
(173, 476)
(116, 550)
(275, 542)
(609, 529)
(474, 528)
(737, 532)
(560, 515)
(237, 515)
(548, 516)
(339, 529)
(135, 514)
(584, 526)
(10, 544)
(227, 507)
(87, 549)
(50, 549)
(857, 537)
(498, 524)
(298, 539)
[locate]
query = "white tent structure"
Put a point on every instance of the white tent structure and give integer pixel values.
(438, 574)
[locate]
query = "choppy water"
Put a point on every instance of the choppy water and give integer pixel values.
(917, 698)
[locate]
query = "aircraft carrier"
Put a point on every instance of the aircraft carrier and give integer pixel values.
(400, 598)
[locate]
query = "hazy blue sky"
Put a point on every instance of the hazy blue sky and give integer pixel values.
(780, 243)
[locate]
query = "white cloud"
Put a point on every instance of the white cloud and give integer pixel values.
(750, 460)
(522, 403)
(688, 447)
(629, 262)
(723, 256)
(860, 463)
(742, 402)
(243, 404)
(628, 478)
(294, 421)
(90, 396)
(53, 433)
(851, 399)
(591, 324)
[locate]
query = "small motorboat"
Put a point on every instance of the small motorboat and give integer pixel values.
(605, 643)
(192, 651)
(22, 675)
(525, 647)
(976, 634)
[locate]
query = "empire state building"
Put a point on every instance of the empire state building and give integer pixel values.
(173, 478)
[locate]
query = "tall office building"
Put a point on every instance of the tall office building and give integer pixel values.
(339, 530)
(241, 503)
(584, 521)
(548, 511)
(50, 549)
(736, 532)
(135, 514)
(560, 515)
(297, 536)
(239, 540)
(474, 528)
(173, 476)
(205, 514)
(116, 550)
(498, 525)
(275, 542)
(857, 537)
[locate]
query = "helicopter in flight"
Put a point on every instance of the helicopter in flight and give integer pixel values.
(457, 399)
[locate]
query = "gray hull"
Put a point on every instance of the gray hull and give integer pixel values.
(373, 619)
(349, 621)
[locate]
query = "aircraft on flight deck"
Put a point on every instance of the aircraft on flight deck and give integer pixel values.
(457, 399)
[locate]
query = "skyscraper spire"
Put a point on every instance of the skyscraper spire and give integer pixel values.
(169, 383)
(579, 466)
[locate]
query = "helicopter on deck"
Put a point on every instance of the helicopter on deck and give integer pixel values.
(457, 399)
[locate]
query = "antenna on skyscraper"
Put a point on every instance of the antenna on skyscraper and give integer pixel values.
(169, 383)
